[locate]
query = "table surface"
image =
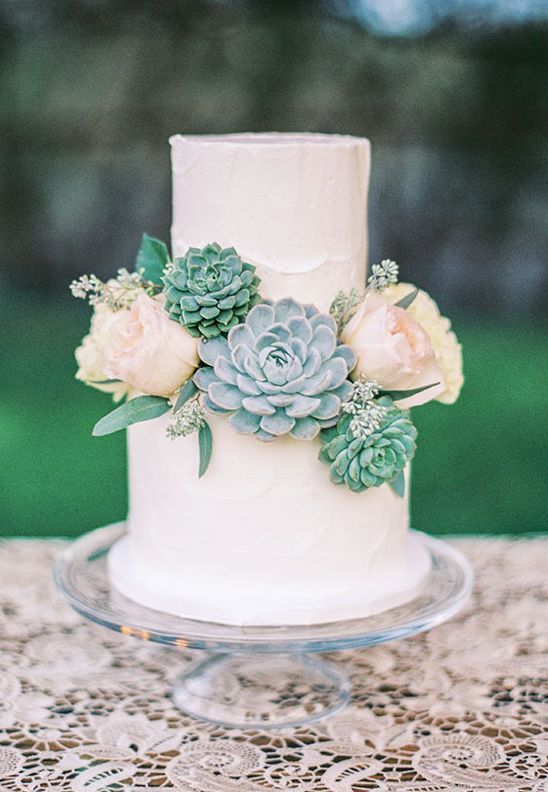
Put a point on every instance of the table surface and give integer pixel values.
(463, 707)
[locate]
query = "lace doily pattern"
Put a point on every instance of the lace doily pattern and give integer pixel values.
(462, 708)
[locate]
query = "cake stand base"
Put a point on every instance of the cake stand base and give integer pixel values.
(258, 676)
(245, 692)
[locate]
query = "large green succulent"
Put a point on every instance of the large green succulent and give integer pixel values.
(280, 372)
(372, 460)
(210, 290)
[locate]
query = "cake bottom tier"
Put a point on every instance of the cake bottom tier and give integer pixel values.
(267, 599)
(263, 538)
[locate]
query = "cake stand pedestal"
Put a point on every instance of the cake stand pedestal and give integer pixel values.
(248, 691)
(258, 677)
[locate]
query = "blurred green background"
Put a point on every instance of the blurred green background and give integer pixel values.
(454, 97)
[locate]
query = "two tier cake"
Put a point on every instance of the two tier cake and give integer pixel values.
(268, 382)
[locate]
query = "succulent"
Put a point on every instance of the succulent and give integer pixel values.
(379, 458)
(280, 372)
(210, 290)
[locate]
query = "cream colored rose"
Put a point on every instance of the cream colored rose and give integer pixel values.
(90, 355)
(447, 349)
(150, 351)
(393, 349)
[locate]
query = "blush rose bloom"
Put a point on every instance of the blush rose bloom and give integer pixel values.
(393, 349)
(90, 355)
(148, 350)
(447, 349)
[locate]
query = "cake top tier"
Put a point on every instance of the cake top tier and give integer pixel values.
(294, 205)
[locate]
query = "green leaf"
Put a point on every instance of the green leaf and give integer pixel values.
(398, 484)
(187, 392)
(151, 259)
(103, 382)
(397, 395)
(143, 408)
(205, 442)
(406, 301)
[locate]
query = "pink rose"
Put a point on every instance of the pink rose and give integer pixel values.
(393, 349)
(148, 350)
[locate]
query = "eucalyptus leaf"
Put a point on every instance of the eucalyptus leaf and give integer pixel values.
(398, 485)
(188, 390)
(142, 408)
(397, 395)
(152, 258)
(205, 443)
(406, 301)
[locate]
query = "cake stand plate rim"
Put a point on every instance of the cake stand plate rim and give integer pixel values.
(80, 573)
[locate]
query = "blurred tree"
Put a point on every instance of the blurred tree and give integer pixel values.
(458, 118)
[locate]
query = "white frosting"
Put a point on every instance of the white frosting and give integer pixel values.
(264, 537)
(293, 205)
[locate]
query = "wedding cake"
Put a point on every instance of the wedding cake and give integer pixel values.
(263, 326)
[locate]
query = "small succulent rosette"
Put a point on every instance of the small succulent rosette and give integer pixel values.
(282, 371)
(210, 290)
(364, 454)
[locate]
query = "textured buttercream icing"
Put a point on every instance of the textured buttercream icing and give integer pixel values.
(263, 537)
(294, 205)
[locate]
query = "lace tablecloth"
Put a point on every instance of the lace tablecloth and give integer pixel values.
(461, 708)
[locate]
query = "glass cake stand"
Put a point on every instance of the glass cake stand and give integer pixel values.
(258, 677)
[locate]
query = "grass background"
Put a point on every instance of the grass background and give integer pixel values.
(481, 466)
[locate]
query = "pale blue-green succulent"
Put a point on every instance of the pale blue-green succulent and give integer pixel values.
(280, 372)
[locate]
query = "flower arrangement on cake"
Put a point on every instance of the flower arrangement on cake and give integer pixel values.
(195, 336)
